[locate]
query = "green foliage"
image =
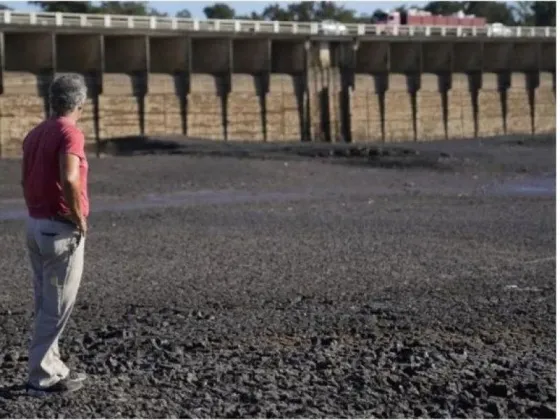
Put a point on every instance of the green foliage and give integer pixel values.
(184, 13)
(444, 7)
(65, 6)
(138, 8)
(219, 11)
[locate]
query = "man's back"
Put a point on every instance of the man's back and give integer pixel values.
(42, 148)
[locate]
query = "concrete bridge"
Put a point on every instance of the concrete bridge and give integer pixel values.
(277, 81)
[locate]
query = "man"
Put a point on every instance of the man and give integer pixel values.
(54, 180)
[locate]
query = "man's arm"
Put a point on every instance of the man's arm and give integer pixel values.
(70, 180)
(69, 167)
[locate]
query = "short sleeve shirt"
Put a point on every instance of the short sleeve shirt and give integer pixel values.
(43, 148)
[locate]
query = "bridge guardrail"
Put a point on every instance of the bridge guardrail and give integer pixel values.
(8, 17)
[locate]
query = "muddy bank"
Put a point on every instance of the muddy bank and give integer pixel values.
(383, 292)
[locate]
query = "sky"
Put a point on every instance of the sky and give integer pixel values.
(241, 7)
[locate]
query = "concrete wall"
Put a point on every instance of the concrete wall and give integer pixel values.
(260, 89)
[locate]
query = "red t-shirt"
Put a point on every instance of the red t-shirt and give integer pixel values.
(42, 148)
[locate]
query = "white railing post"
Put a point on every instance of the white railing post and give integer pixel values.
(58, 19)
(459, 31)
(294, 27)
(257, 26)
(547, 31)
(518, 31)
(474, 30)
(130, 22)
(276, 26)
(107, 21)
(236, 26)
(396, 30)
(173, 23)
(196, 25)
(314, 28)
(361, 29)
(444, 30)
(7, 16)
(33, 18)
(411, 30)
(83, 20)
(533, 31)
(153, 22)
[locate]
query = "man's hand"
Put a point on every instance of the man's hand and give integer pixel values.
(80, 222)
(82, 225)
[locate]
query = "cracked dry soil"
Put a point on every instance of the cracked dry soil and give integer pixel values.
(402, 293)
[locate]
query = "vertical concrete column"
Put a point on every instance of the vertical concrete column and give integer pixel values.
(83, 54)
(545, 104)
(125, 85)
(532, 81)
(211, 63)
(433, 98)
(371, 84)
(346, 57)
(524, 69)
(250, 86)
(288, 98)
(545, 94)
(497, 64)
(463, 103)
(29, 69)
(322, 107)
(401, 106)
(168, 89)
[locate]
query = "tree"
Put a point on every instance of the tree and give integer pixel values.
(544, 13)
(444, 7)
(219, 11)
(137, 8)
(65, 6)
(183, 14)
(310, 11)
(276, 12)
(4, 7)
(379, 16)
(252, 16)
(329, 10)
(493, 11)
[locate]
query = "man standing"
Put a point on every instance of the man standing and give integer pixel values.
(54, 180)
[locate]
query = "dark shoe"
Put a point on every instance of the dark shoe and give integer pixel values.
(63, 386)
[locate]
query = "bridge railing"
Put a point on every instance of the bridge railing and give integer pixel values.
(9, 17)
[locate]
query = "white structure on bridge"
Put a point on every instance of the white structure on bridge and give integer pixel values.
(19, 20)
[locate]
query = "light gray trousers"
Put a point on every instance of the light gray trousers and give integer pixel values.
(56, 251)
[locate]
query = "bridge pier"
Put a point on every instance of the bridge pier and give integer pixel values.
(250, 86)
(166, 102)
(29, 66)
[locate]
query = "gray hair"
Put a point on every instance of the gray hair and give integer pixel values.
(67, 92)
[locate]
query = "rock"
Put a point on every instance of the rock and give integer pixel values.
(543, 411)
(497, 390)
(494, 409)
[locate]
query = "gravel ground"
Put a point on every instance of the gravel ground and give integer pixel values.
(303, 287)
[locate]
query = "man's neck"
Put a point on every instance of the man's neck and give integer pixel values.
(69, 117)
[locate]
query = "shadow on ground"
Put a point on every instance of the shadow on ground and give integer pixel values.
(437, 155)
